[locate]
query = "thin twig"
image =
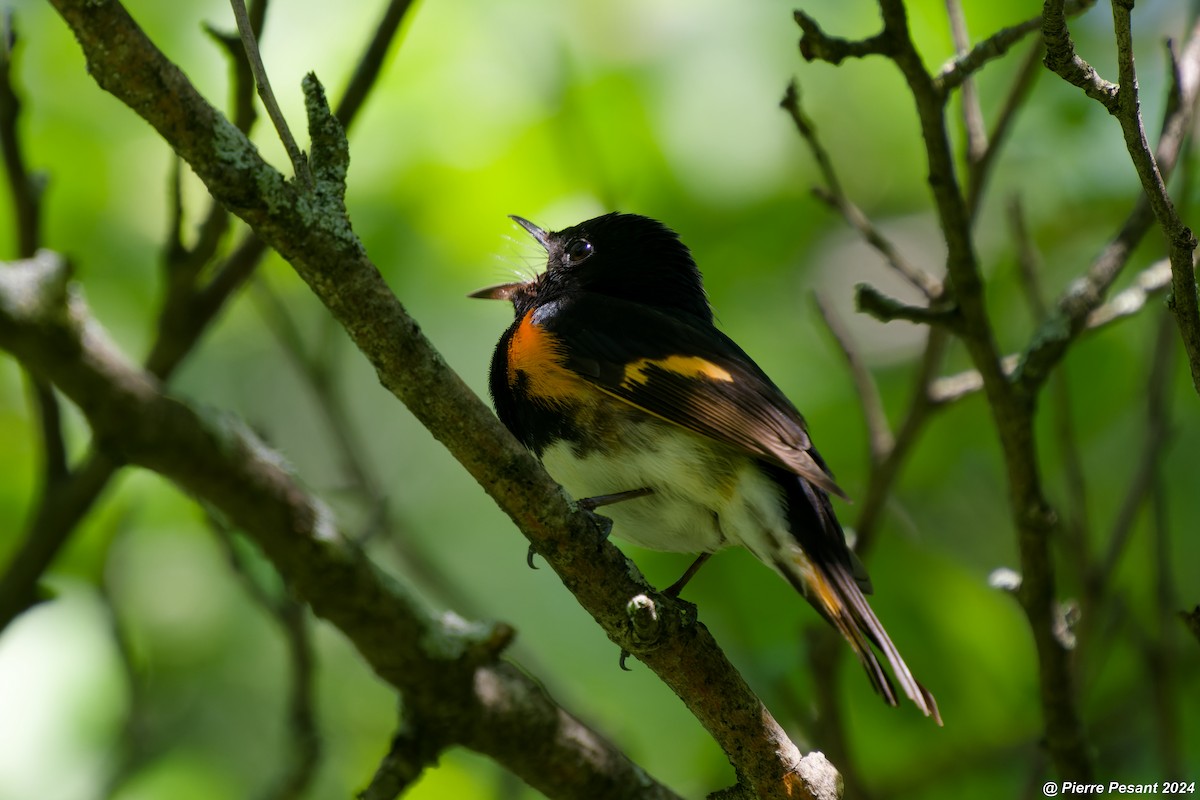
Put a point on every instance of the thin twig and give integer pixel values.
(1033, 517)
(369, 65)
(1060, 396)
(875, 418)
(250, 43)
(1161, 646)
(58, 512)
(1122, 102)
(415, 747)
(977, 142)
(1085, 295)
(316, 375)
(968, 62)
(333, 261)
(833, 196)
(1149, 282)
(24, 187)
(1181, 241)
(1141, 483)
(980, 170)
(870, 300)
(816, 45)
(449, 668)
(1062, 59)
(18, 585)
(884, 474)
(291, 616)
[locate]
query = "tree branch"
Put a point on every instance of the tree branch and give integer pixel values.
(870, 300)
(371, 62)
(311, 231)
(254, 56)
(970, 61)
(1062, 59)
(67, 501)
(1181, 242)
(1012, 413)
(447, 667)
(834, 197)
(24, 187)
(1122, 102)
(816, 45)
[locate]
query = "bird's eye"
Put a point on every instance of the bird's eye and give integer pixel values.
(578, 250)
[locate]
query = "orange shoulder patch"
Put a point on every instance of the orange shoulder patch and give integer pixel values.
(536, 354)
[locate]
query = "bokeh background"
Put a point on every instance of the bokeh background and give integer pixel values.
(559, 111)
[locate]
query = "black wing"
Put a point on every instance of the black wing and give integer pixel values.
(685, 371)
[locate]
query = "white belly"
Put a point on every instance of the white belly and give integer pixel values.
(705, 496)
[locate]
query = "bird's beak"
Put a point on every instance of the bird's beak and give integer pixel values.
(542, 237)
(503, 291)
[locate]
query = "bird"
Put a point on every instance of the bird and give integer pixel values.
(614, 374)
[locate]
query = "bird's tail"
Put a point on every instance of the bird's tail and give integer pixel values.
(833, 590)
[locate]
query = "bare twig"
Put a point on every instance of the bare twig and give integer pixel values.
(1076, 524)
(980, 170)
(449, 668)
(871, 301)
(18, 587)
(1033, 517)
(878, 430)
(969, 61)
(1122, 102)
(371, 62)
(290, 614)
(977, 142)
(24, 187)
(816, 45)
(1160, 647)
(331, 259)
(316, 374)
(1142, 481)
(250, 43)
(1062, 58)
(59, 511)
(833, 196)
(1085, 295)
(1180, 239)
(1149, 282)
(243, 113)
(825, 652)
(884, 474)
(413, 749)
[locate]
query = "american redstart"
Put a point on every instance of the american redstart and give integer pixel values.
(615, 376)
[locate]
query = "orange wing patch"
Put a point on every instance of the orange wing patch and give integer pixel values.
(534, 353)
(687, 366)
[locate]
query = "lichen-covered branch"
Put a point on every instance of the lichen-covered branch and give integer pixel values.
(311, 231)
(967, 63)
(1122, 101)
(448, 668)
(188, 309)
(1012, 412)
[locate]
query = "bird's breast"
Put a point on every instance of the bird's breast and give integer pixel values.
(705, 495)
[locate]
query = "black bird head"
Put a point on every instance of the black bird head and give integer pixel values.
(626, 256)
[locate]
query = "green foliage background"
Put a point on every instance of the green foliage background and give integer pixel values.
(560, 111)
